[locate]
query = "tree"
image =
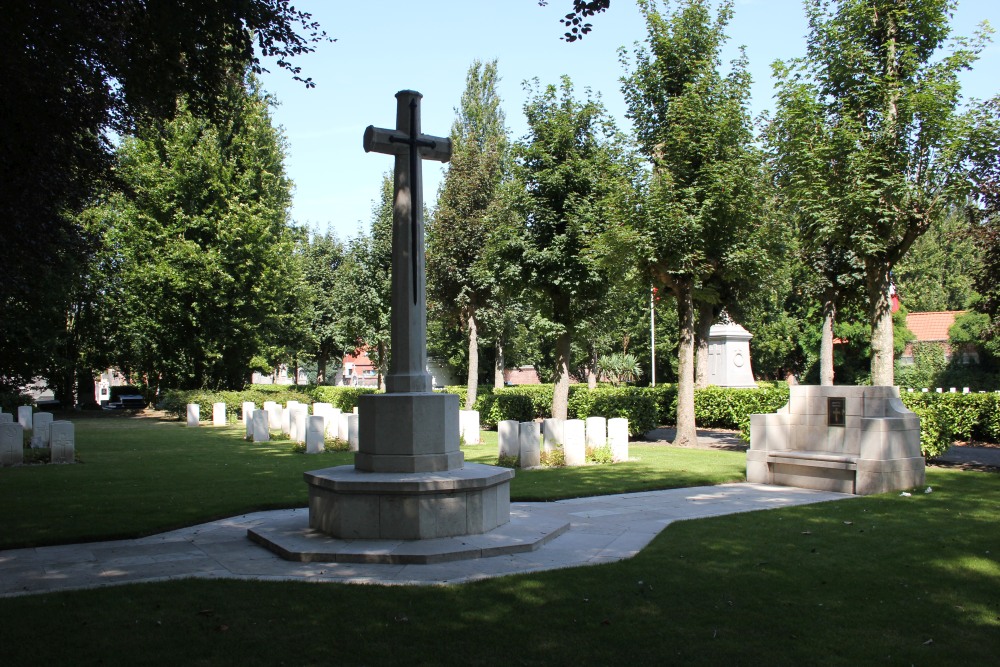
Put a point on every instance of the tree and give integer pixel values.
(200, 270)
(366, 287)
(983, 154)
(876, 136)
(74, 71)
(323, 257)
(571, 166)
(459, 275)
(702, 201)
(938, 273)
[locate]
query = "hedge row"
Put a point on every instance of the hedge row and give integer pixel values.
(176, 401)
(632, 403)
(945, 418)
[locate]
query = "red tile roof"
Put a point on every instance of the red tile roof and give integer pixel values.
(932, 326)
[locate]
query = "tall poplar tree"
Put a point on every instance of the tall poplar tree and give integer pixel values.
(571, 166)
(459, 275)
(868, 136)
(702, 202)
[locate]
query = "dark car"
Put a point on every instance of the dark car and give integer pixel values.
(124, 398)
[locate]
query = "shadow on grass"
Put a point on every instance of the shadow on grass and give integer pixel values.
(882, 579)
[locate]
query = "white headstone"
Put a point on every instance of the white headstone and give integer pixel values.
(42, 421)
(322, 410)
(953, 390)
(63, 447)
(353, 422)
(6, 418)
(618, 437)
(24, 416)
(11, 443)
(597, 432)
(333, 423)
(247, 417)
(298, 424)
(194, 414)
(315, 431)
(342, 426)
(530, 440)
(247, 411)
(261, 427)
(286, 420)
(468, 425)
(574, 442)
(273, 411)
(218, 414)
(924, 390)
(552, 433)
(965, 390)
(508, 435)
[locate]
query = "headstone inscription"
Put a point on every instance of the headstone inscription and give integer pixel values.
(11, 444)
(63, 446)
(42, 422)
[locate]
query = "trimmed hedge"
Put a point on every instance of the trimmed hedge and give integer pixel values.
(945, 418)
(502, 405)
(719, 407)
(345, 398)
(634, 404)
(176, 400)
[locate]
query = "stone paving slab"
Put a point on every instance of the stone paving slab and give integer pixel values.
(602, 529)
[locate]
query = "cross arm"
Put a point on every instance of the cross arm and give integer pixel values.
(395, 142)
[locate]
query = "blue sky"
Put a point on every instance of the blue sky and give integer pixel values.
(384, 46)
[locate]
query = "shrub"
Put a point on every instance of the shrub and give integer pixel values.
(345, 398)
(634, 404)
(600, 455)
(945, 418)
(502, 405)
(462, 392)
(723, 407)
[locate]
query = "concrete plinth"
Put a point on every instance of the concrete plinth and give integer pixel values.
(349, 503)
(408, 432)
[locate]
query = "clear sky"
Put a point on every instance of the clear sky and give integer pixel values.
(384, 46)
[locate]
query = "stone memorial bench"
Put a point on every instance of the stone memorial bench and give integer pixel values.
(858, 440)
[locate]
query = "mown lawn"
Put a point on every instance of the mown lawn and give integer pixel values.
(143, 476)
(877, 580)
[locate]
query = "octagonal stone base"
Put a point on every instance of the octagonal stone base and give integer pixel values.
(348, 503)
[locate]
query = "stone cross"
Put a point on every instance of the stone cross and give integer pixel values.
(408, 363)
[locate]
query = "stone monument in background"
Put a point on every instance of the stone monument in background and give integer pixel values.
(729, 356)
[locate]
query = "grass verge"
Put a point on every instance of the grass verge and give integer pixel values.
(875, 580)
(143, 476)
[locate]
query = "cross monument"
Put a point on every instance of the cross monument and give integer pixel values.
(408, 363)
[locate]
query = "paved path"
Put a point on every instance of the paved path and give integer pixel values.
(603, 529)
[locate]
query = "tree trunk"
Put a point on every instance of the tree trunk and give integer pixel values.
(706, 317)
(473, 377)
(592, 369)
(686, 430)
(560, 392)
(321, 361)
(498, 364)
(880, 316)
(826, 339)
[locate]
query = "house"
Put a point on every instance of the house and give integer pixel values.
(933, 328)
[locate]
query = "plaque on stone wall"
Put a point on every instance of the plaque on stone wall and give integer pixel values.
(836, 411)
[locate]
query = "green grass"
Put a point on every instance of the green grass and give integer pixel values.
(875, 580)
(143, 476)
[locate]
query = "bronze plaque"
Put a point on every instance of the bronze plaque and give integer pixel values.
(836, 411)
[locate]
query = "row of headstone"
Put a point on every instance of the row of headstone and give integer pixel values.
(295, 421)
(952, 390)
(526, 441)
(60, 439)
(25, 417)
